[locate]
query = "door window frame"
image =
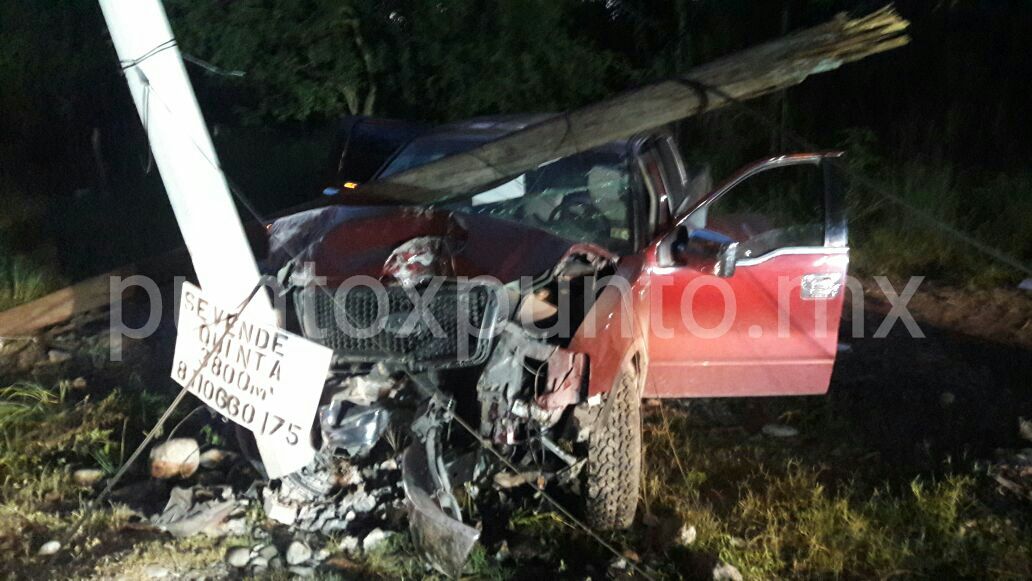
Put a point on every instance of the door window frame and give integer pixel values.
(835, 227)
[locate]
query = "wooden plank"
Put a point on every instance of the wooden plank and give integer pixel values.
(769, 67)
(61, 305)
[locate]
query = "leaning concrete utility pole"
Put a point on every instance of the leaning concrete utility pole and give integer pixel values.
(196, 186)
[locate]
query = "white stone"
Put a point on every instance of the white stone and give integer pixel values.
(687, 535)
(58, 356)
(156, 572)
(374, 538)
(280, 512)
(298, 553)
(268, 552)
(362, 501)
(238, 557)
(49, 548)
(780, 431)
(87, 476)
(725, 572)
(211, 458)
(178, 457)
(348, 544)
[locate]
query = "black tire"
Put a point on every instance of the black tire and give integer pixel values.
(614, 458)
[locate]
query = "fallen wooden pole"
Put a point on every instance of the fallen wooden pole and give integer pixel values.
(60, 305)
(763, 69)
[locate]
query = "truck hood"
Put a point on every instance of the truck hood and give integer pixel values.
(346, 241)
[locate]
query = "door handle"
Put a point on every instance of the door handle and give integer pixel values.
(821, 286)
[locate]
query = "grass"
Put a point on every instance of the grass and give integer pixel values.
(45, 433)
(889, 239)
(773, 514)
(23, 278)
(778, 510)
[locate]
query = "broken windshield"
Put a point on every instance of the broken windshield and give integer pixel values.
(584, 197)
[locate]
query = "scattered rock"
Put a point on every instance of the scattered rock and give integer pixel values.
(1025, 284)
(374, 538)
(58, 356)
(618, 564)
(276, 563)
(238, 557)
(236, 526)
(503, 553)
(779, 431)
(687, 535)
(726, 572)
(49, 548)
(298, 553)
(321, 555)
(348, 544)
(302, 571)
(178, 457)
(30, 355)
(79, 383)
(281, 512)
(268, 552)
(211, 458)
(87, 476)
(946, 399)
(1025, 428)
(156, 572)
(362, 501)
(333, 525)
(390, 464)
(259, 561)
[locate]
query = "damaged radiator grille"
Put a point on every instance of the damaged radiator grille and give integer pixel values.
(363, 325)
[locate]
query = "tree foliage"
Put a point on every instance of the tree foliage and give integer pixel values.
(301, 58)
(321, 58)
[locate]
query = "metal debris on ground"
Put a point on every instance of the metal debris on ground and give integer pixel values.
(214, 512)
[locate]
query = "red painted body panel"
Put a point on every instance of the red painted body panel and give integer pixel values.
(767, 348)
(771, 346)
(481, 245)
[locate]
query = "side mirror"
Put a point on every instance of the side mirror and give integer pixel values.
(704, 250)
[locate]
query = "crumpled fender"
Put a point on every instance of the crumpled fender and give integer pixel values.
(613, 331)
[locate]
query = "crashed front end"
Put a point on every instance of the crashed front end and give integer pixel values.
(440, 327)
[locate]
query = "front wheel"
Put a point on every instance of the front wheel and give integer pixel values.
(614, 457)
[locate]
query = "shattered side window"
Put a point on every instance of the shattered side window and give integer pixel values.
(585, 197)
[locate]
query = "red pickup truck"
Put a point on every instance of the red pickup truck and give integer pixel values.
(539, 310)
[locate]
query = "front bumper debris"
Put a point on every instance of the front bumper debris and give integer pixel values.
(444, 541)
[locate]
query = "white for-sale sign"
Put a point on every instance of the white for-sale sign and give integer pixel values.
(259, 376)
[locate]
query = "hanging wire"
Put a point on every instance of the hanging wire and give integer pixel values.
(157, 49)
